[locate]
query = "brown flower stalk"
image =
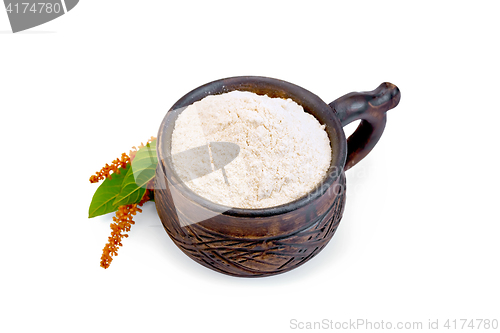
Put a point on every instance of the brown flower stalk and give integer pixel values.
(117, 164)
(107, 170)
(121, 224)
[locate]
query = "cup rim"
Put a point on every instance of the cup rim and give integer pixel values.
(303, 97)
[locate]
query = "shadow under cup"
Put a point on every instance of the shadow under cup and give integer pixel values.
(251, 242)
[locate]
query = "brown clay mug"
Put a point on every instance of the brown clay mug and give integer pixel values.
(263, 242)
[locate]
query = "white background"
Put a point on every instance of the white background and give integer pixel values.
(419, 239)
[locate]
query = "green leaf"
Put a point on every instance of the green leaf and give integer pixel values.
(130, 193)
(142, 171)
(103, 199)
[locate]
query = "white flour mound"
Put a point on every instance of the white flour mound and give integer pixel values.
(284, 152)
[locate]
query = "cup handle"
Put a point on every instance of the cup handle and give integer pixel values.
(370, 107)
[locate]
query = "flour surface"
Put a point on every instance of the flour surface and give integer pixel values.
(279, 152)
